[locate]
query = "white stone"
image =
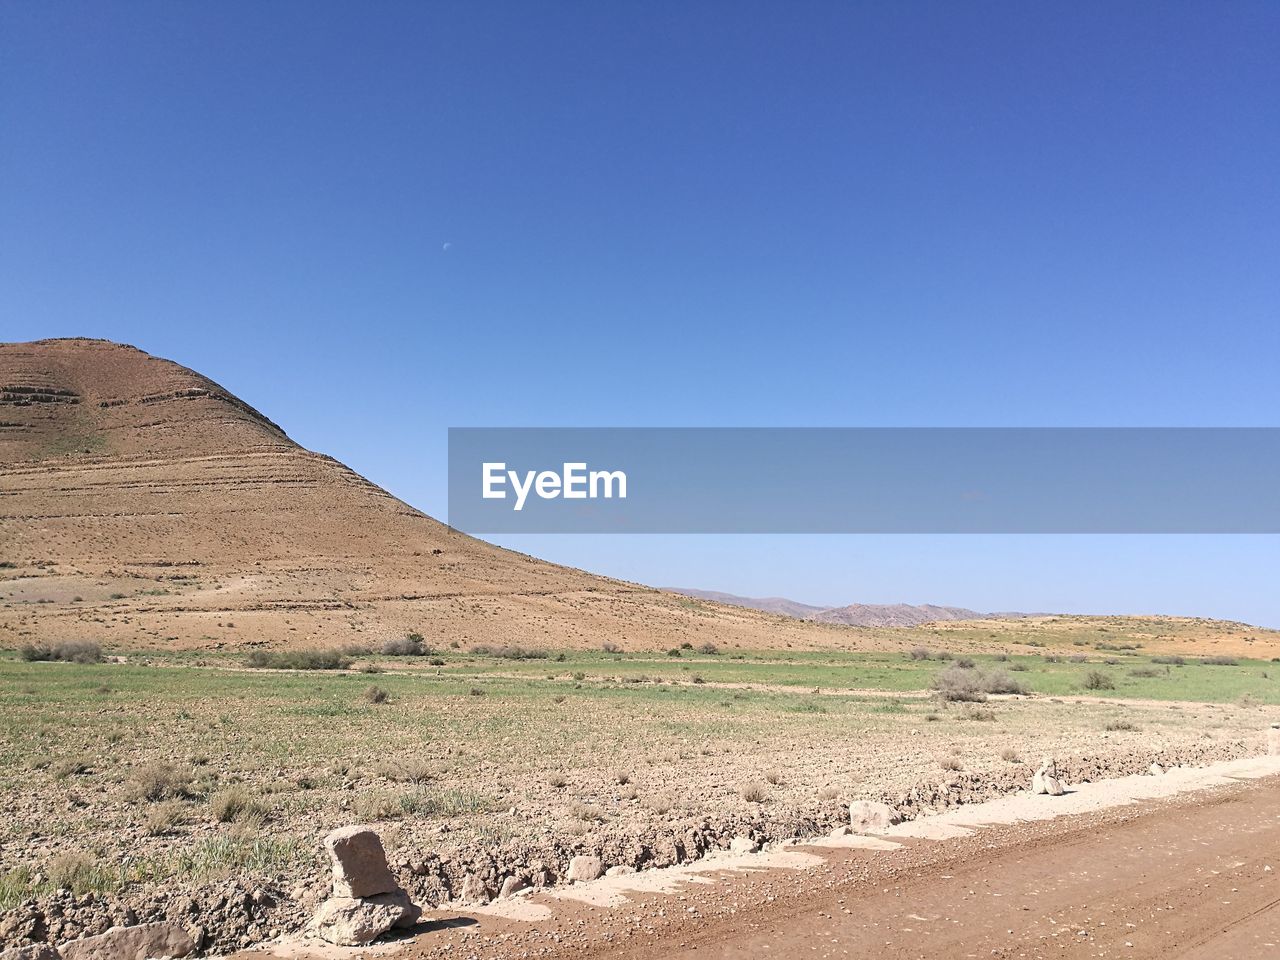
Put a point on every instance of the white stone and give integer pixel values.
(584, 868)
(868, 816)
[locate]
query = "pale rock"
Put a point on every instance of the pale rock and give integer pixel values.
(1157, 770)
(511, 886)
(868, 816)
(44, 951)
(354, 922)
(743, 845)
(162, 939)
(359, 863)
(474, 890)
(1046, 779)
(584, 868)
(620, 870)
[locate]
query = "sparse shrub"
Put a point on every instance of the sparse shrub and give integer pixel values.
(375, 694)
(1078, 658)
(971, 685)
(754, 792)
(411, 646)
(231, 804)
(1247, 700)
(558, 781)
(828, 793)
(610, 647)
(1010, 755)
(1019, 667)
(965, 663)
(773, 777)
(674, 652)
(950, 763)
(1172, 661)
(407, 771)
(587, 813)
(579, 675)
(710, 649)
(158, 781)
(1118, 726)
(697, 678)
(661, 804)
(61, 769)
(932, 717)
(163, 818)
(298, 660)
(1052, 658)
(476, 692)
(1220, 662)
(1097, 680)
(984, 714)
(623, 777)
(511, 652)
(78, 872)
(370, 668)
(1144, 672)
(374, 806)
(66, 651)
(686, 645)
(436, 662)
(919, 653)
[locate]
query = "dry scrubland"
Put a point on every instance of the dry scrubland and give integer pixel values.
(148, 510)
(119, 778)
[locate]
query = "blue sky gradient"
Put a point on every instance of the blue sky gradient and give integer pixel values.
(377, 221)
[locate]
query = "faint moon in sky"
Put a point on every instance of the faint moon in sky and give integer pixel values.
(447, 245)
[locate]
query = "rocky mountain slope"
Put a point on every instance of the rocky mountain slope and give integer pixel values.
(141, 504)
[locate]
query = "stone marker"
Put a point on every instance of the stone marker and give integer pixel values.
(867, 816)
(1046, 779)
(366, 901)
(584, 868)
(359, 863)
(162, 939)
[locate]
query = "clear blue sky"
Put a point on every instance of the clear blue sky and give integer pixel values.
(678, 214)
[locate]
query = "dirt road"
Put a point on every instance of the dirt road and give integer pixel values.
(1197, 876)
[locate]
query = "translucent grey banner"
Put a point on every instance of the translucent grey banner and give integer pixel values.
(864, 480)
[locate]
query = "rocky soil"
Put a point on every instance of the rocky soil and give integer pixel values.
(226, 915)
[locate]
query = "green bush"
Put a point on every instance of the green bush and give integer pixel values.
(298, 660)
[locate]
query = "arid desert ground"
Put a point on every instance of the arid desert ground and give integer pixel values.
(216, 647)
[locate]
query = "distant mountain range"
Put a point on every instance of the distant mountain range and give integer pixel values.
(853, 615)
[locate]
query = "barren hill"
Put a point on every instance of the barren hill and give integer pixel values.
(142, 504)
